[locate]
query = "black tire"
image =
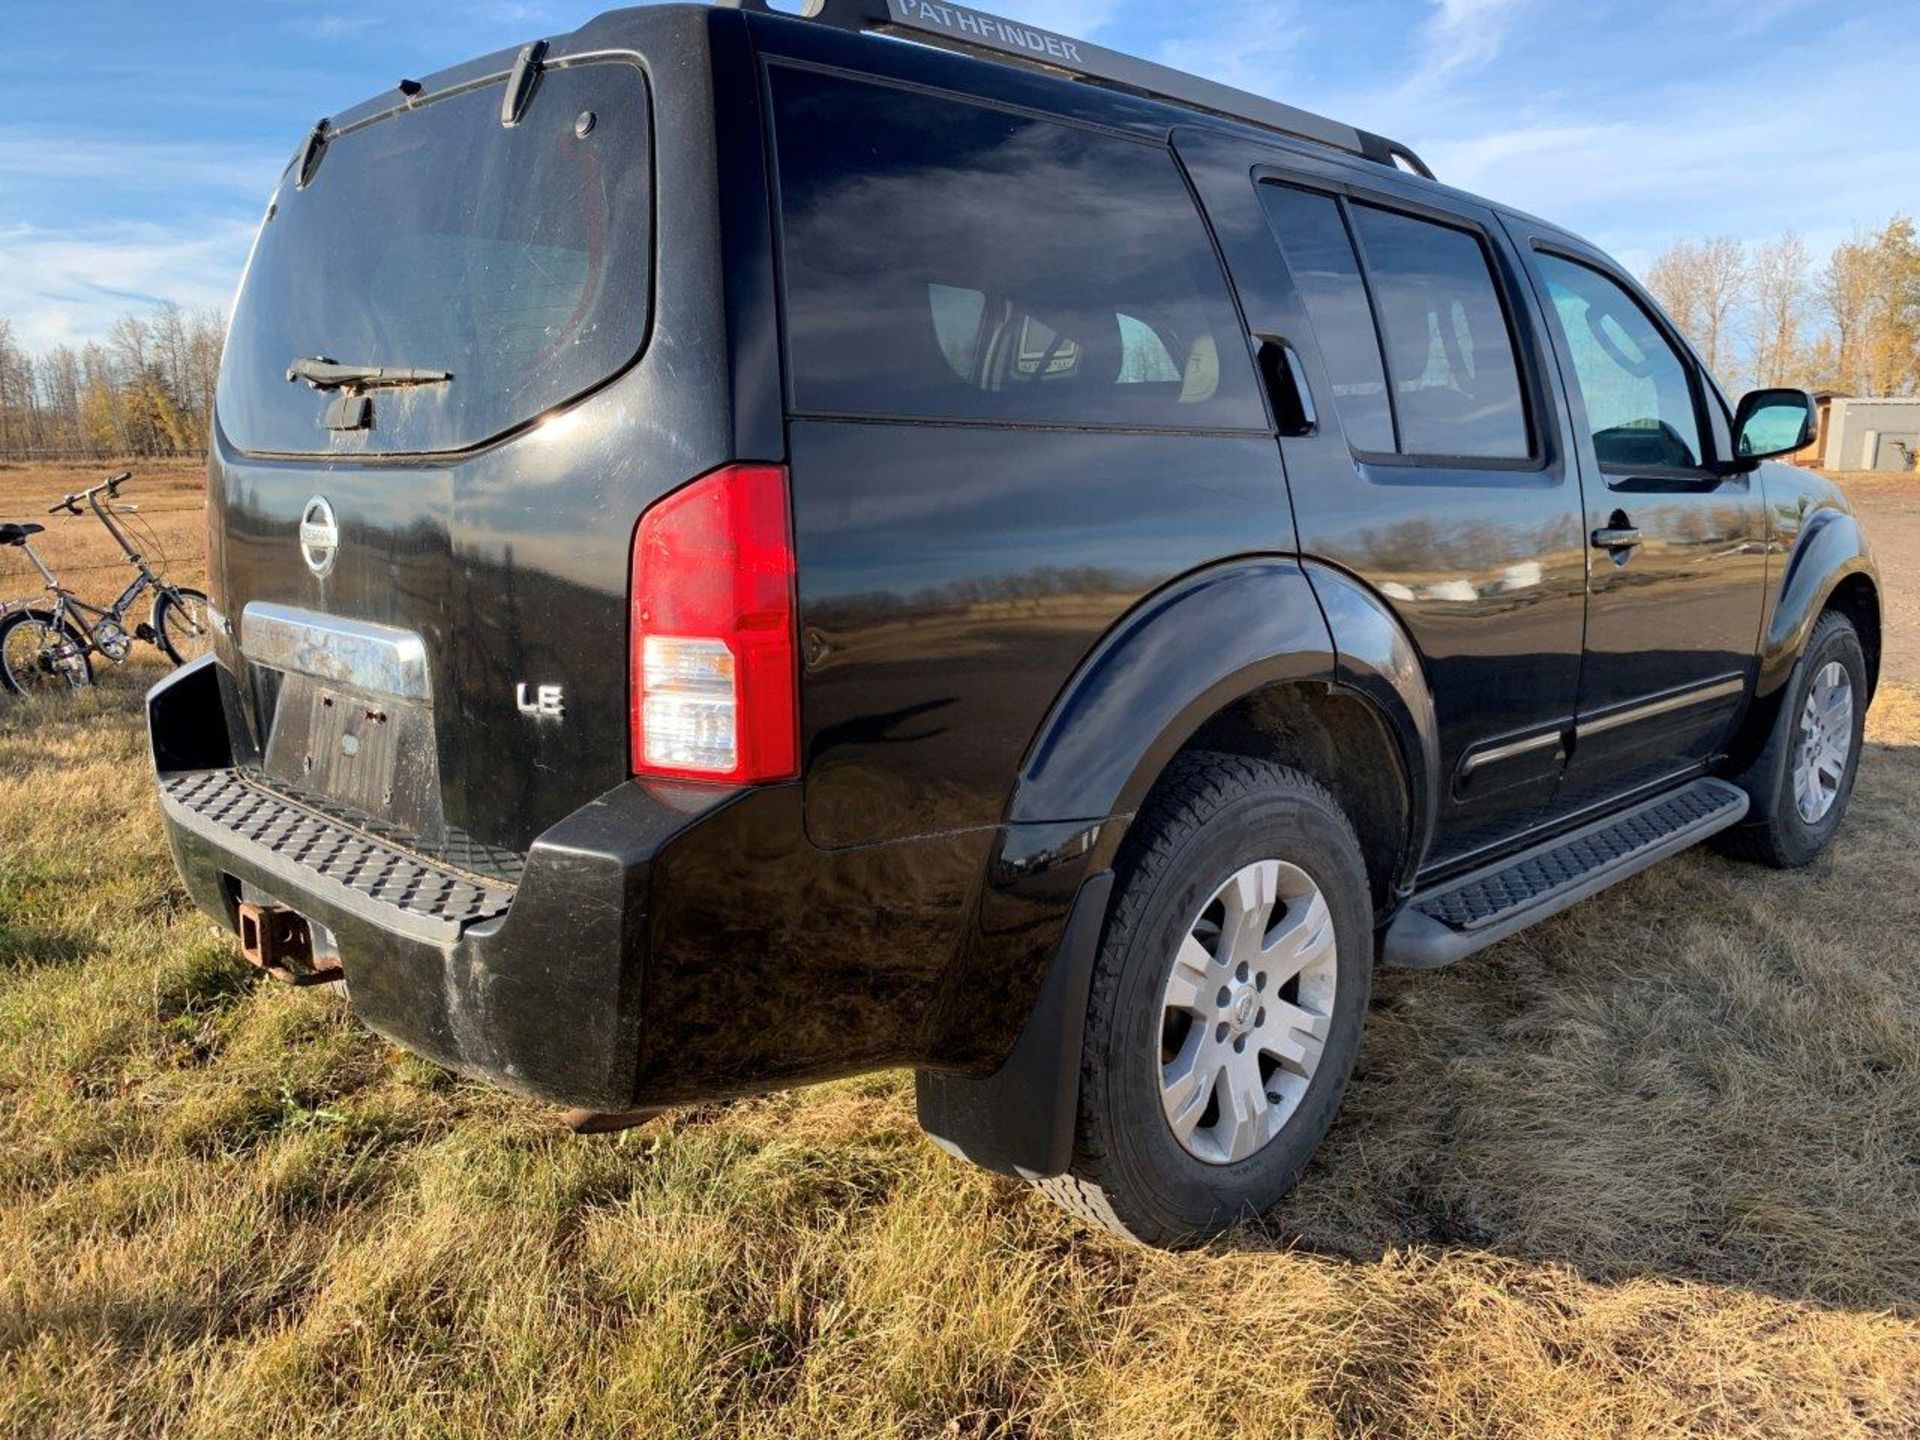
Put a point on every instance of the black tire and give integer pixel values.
(1211, 815)
(1775, 831)
(182, 627)
(39, 670)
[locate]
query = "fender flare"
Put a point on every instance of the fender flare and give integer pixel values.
(1177, 659)
(1830, 549)
(1378, 661)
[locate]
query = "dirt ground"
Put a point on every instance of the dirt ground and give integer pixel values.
(1889, 510)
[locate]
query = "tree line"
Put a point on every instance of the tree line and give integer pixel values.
(1765, 315)
(146, 390)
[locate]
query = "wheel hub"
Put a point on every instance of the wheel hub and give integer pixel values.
(1246, 1011)
(1826, 743)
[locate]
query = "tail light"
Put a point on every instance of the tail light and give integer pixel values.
(715, 654)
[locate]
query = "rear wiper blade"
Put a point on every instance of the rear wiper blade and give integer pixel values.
(324, 374)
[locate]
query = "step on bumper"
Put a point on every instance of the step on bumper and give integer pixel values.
(400, 890)
(535, 987)
(1455, 919)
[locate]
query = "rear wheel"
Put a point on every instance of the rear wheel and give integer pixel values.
(182, 626)
(39, 656)
(1803, 781)
(1226, 1006)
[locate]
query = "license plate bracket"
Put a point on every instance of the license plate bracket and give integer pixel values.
(374, 755)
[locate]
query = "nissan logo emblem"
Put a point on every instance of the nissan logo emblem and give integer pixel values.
(319, 536)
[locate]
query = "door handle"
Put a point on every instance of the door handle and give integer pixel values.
(1616, 538)
(1286, 382)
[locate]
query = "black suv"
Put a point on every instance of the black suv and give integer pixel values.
(756, 548)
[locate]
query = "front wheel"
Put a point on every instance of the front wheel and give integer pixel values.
(1226, 1004)
(1803, 780)
(39, 655)
(182, 625)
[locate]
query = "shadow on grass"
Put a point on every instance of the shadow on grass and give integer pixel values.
(29, 946)
(1710, 1074)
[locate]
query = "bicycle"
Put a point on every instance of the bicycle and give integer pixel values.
(51, 649)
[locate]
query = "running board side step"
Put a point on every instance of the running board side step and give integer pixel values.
(1460, 916)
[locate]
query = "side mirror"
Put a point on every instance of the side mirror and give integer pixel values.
(1773, 422)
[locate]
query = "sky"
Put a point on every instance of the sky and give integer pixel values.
(139, 139)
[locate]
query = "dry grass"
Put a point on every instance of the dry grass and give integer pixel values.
(170, 495)
(1651, 1170)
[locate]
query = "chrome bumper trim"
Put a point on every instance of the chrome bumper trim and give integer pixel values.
(378, 659)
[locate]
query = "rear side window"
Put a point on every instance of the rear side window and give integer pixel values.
(947, 260)
(1637, 390)
(1410, 325)
(517, 258)
(1327, 272)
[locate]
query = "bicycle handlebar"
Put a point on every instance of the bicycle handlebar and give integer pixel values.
(71, 503)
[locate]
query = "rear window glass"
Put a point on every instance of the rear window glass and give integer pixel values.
(516, 258)
(946, 260)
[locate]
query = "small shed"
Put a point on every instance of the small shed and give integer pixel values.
(1871, 434)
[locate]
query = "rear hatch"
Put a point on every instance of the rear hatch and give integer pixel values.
(436, 240)
(440, 412)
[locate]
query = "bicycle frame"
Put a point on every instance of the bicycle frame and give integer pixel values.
(69, 608)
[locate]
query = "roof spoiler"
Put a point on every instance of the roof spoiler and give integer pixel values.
(973, 32)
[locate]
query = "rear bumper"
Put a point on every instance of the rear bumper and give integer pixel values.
(663, 944)
(536, 988)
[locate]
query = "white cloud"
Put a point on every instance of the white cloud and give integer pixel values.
(1463, 35)
(1253, 49)
(1685, 164)
(33, 153)
(67, 286)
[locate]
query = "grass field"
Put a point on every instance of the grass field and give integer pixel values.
(169, 496)
(1652, 1169)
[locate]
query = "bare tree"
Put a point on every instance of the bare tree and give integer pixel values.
(1676, 280)
(16, 391)
(1779, 283)
(1845, 290)
(1701, 285)
(1723, 280)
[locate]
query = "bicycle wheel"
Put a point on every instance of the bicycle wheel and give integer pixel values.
(182, 626)
(39, 656)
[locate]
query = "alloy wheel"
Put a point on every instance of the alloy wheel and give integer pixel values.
(1825, 743)
(1246, 1011)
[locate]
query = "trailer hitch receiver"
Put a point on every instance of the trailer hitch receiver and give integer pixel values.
(280, 942)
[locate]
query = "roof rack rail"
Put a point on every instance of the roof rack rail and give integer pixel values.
(973, 32)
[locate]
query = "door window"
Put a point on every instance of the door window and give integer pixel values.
(1456, 384)
(1327, 273)
(1638, 392)
(1410, 325)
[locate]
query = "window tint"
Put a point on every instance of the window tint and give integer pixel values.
(518, 258)
(1320, 256)
(947, 260)
(1638, 393)
(1456, 386)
